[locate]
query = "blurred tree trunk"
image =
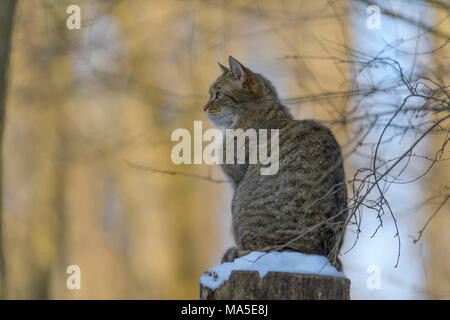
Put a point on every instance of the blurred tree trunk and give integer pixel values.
(438, 241)
(7, 8)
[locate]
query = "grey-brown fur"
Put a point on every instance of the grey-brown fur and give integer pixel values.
(304, 206)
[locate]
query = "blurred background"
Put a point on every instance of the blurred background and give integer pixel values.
(87, 174)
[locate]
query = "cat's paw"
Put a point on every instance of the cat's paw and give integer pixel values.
(234, 253)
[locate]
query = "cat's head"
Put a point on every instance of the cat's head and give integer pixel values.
(235, 91)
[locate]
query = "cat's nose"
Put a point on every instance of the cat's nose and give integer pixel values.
(205, 107)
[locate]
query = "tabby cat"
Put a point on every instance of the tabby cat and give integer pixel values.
(303, 207)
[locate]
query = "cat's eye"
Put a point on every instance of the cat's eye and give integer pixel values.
(219, 95)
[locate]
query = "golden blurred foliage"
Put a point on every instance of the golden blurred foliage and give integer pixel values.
(86, 103)
(88, 178)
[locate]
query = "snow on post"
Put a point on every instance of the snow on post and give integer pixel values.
(275, 275)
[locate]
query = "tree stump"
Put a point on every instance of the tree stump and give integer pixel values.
(247, 285)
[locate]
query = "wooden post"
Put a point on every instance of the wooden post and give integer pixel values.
(247, 285)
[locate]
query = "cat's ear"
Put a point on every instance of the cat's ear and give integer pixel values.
(237, 69)
(223, 68)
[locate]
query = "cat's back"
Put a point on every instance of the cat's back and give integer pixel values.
(307, 145)
(273, 209)
(308, 155)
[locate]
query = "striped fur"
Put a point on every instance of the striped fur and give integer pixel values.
(304, 206)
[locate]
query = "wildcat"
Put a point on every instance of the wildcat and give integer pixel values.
(303, 207)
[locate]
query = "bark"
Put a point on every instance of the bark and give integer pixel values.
(247, 285)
